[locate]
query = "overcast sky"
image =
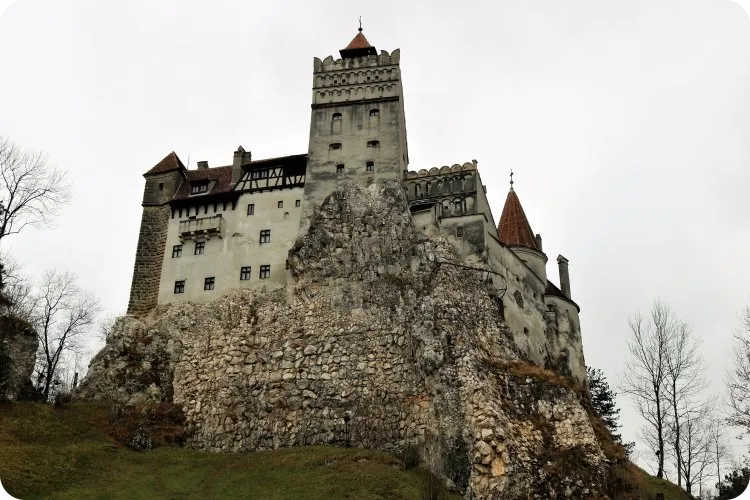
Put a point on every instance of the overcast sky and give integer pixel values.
(626, 123)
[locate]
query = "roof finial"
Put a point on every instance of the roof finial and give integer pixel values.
(360, 24)
(511, 179)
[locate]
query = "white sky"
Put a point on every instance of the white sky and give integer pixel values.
(626, 123)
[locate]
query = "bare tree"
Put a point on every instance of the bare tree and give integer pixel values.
(738, 377)
(695, 447)
(31, 191)
(685, 382)
(646, 375)
(16, 288)
(62, 315)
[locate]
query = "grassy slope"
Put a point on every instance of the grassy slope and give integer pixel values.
(48, 452)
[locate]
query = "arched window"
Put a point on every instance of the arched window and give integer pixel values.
(373, 144)
(417, 190)
(457, 207)
(335, 146)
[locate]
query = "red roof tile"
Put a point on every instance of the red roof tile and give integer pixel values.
(358, 47)
(556, 292)
(358, 42)
(170, 162)
(514, 228)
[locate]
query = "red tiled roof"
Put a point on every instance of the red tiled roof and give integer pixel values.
(514, 228)
(222, 176)
(358, 42)
(170, 162)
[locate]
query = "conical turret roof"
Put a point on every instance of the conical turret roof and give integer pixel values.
(514, 228)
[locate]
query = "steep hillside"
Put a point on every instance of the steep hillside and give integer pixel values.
(384, 340)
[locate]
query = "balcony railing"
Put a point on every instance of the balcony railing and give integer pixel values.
(203, 226)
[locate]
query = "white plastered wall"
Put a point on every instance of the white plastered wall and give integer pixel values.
(239, 246)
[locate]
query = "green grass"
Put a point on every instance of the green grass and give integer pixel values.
(65, 453)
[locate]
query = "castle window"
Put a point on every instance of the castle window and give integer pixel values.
(370, 166)
(280, 204)
(179, 286)
(259, 174)
(297, 203)
(251, 209)
(336, 123)
(286, 215)
(200, 247)
(375, 112)
(176, 251)
(201, 187)
(265, 236)
(373, 144)
(161, 186)
(340, 168)
(335, 146)
(459, 231)
(208, 283)
(265, 271)
(245, 273)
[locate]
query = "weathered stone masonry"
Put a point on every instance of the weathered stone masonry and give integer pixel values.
(148, 259)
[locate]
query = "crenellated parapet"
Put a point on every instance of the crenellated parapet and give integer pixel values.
(356, 78)
(352, 63)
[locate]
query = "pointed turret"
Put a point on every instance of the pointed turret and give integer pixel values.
(515, 231)
(514, 228)
(358, 47)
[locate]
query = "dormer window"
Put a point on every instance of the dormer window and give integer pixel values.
(199, 187)
(259, 174)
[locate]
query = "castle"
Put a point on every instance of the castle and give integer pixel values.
(208, 231)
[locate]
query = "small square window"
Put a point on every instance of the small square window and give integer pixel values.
(179, 286)
(265, 272)
(459, 232)
(296, 203)
(340, 168)
(176, 251)
(208, 284)
(251, 209)
(335, 146)
(280, 204)
(373, 144)
(200, 247)
(336, 116)
(370, 166)
(374, 112)
(245, 273)
(265, 236)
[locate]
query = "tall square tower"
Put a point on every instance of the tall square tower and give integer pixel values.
(357, 125)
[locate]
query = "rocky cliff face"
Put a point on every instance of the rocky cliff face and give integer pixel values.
(18, 345)
(380, 340)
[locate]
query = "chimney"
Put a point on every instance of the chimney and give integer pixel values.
(539, 241)
(562, 265)
(202, 164)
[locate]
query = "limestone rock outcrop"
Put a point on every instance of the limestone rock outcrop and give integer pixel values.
(18, 345)
(382, 339)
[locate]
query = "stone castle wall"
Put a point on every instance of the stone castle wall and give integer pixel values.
(379, 341)
(149, 256)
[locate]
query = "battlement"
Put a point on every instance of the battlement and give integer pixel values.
(331, 64)
(445, 169)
